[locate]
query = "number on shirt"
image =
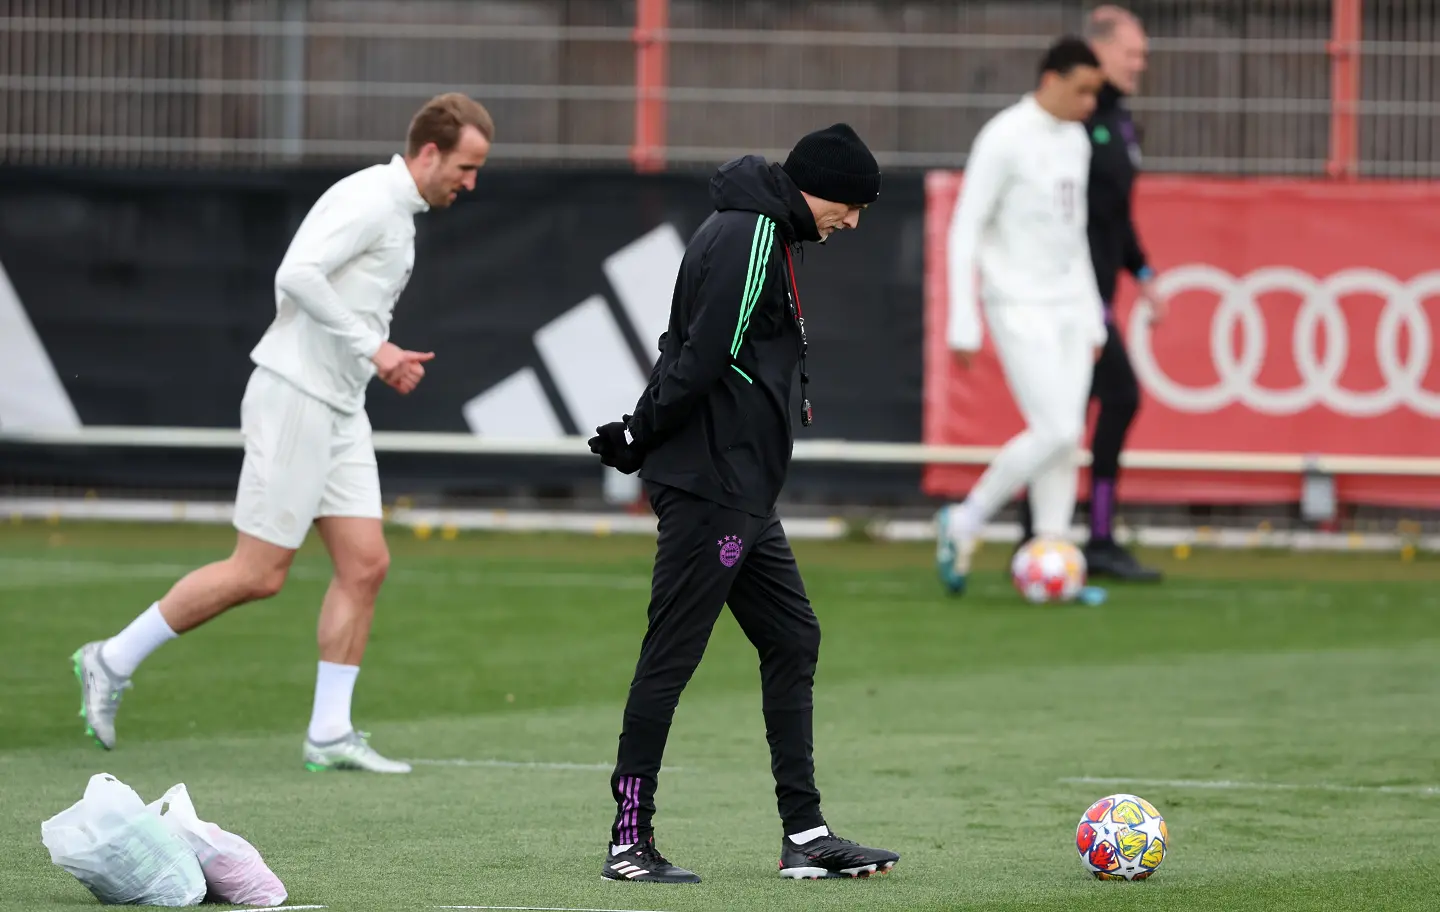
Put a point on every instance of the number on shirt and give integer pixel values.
(1066, 193)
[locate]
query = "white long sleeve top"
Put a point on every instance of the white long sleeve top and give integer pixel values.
(1020, 221)
(336, 288)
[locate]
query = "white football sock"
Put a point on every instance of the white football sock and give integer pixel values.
(124, 652)
(964, 522)
(334, 686)
(617, 849)
(809, 835)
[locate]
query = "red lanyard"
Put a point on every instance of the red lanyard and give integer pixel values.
(807, 414)
(794, 288)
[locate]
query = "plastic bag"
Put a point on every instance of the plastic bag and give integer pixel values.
(233, 868)
(121, 851)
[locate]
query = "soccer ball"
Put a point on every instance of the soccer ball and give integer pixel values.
(1122, 837)
(1048, 571)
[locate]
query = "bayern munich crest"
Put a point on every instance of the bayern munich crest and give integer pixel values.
(730, 547)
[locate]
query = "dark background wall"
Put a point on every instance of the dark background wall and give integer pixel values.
(148, 290)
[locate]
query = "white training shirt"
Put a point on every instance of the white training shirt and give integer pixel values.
(1020, 220)
(335, 291)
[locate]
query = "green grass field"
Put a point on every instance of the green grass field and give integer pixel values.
(1282, 711)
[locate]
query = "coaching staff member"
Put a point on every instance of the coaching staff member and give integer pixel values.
(1119, 42)
(711, 437)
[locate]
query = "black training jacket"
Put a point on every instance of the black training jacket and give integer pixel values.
(714, 419)
(1114, 162)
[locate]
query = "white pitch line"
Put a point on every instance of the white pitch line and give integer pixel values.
(515, 764)
(44, 572)
(529, 764)
(542, 909)
(1226, 784)
(34, 573)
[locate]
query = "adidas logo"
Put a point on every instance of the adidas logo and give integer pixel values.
(628, 869)
(585, 353)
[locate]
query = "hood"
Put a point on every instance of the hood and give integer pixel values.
(751, 184)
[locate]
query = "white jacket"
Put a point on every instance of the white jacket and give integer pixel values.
(1020, 221)
(336, 288)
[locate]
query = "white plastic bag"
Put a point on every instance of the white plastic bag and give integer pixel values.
(121, 851)
(233, 868)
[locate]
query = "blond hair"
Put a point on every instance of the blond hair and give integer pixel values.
(1105, 20)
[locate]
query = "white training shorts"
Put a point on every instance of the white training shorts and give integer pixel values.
(303, 460)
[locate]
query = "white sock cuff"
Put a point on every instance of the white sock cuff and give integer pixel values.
(124, 652)
(337, 670)
(809, 835)
(963, 521)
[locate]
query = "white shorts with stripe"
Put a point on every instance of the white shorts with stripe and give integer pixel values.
(303, 460)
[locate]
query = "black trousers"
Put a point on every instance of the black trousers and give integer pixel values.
(708, 556)
(1118, 392)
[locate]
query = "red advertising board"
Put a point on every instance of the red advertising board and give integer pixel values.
(1302, 320)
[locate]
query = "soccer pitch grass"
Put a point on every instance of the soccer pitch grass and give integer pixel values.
(1282, 711)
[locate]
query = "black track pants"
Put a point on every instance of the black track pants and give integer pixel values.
(708, 556)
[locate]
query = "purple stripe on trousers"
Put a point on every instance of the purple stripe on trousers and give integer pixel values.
(622, 787)
(1102, 507)
(634, 809)
(627, 832)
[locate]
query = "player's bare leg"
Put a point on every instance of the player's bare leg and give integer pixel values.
(254, 570)
(361, 559)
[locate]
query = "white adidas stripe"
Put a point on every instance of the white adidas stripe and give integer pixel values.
(629, 870)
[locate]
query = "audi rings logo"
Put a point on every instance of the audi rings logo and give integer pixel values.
(1319, 309)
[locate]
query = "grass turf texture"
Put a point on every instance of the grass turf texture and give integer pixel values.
(945, 729)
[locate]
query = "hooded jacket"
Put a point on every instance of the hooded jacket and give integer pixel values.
(714, 419)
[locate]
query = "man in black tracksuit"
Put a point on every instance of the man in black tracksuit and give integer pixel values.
(711, 436)
(1119, 42)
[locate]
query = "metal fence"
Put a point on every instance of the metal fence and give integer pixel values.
(1235, 86)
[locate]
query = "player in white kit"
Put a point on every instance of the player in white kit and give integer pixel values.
(1020, 222)
(309, 457)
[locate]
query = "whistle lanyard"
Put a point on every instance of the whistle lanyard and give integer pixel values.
(807, 415)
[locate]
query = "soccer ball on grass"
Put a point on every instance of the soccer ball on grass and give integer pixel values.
(1048, 571)
(1122, 837)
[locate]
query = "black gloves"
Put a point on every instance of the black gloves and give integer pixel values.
(614, 450)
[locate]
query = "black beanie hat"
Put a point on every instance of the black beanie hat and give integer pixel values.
(835, 165)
